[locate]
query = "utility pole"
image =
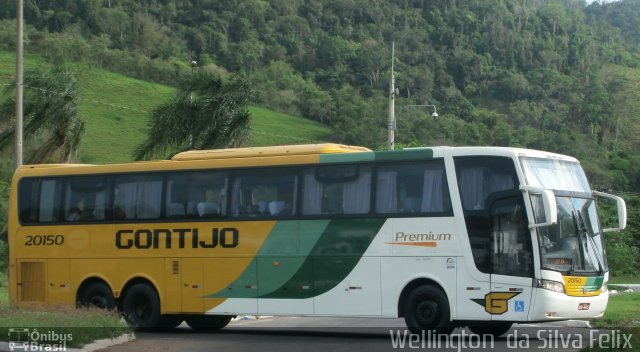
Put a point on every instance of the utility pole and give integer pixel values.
(19, 84)
(392, 95)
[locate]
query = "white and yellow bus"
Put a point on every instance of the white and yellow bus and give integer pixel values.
(473, 236)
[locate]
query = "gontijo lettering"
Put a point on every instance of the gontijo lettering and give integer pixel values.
(227, 237)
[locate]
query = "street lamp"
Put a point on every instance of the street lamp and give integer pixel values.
(392, 126)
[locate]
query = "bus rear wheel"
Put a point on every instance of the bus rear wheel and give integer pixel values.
(141, 307)
(427, 308)
(169, 322)
(495, 328)
(98, 295)
(208, 322)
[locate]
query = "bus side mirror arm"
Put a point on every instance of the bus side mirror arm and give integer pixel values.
(548, 202)
(622, 211)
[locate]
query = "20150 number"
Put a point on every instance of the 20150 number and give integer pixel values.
(44, 240)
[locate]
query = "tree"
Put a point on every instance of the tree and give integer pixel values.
(206, 113)
(51, 119)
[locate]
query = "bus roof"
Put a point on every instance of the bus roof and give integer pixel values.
(283, 150)
(280, 155)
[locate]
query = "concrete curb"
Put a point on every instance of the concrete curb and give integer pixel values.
(91, 347)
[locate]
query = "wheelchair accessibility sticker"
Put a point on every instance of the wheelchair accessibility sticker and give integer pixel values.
(519, 306)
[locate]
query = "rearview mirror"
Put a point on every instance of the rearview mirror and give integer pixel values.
(548, 203)
(622, 211)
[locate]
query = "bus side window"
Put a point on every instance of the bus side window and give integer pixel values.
(137, 197)
(196, 194)
(413, 188)
(336, 190)
(264, 194)
(85, 198)
(481, 181)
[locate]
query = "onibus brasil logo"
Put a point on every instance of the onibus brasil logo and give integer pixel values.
(24, 339)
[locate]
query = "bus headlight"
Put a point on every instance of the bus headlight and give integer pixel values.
(605, 286)
(554, 286)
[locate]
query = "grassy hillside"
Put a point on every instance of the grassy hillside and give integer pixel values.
(115, 108)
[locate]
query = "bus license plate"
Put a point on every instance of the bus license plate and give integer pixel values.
(584, 306)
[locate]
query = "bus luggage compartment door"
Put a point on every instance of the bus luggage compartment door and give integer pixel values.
(32, 281)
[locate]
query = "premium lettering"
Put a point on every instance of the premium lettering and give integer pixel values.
(422, 237)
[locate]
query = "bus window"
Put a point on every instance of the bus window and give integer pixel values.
(264, 194)
(482, 181)
(39, 200)
(511, 241)
(137, 197)
(326, 193)
(412, 188)
(196, 194)
(85, 199)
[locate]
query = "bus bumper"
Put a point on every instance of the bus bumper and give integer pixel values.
(551, 305)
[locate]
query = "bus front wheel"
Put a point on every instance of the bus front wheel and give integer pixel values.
(141, 307)
(98, 295)
(427, 308)
(208, 322)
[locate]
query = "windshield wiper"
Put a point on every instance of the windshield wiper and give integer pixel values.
(582, 229)
(576, 251)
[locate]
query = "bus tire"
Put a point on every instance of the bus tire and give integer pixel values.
(208, 322)
(168, 322)
(97, 294)
(141, 307)
(495, 328)
(427, 308)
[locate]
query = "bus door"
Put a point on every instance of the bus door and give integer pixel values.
(511, 261)
(500, 241)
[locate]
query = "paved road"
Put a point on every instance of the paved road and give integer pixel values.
(350, 334)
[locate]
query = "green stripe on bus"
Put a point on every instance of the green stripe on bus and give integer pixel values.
(333, 257)
(396, 155)
(593, 283)
(347, 157)
(400, 155)
(327, 252)
(279, 258)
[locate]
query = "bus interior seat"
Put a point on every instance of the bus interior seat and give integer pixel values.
(206, 209)
(276, 206)
(176, 210)
(263, 206)
(411, 204)
(568, 243)
(74, 214)
(191, 208)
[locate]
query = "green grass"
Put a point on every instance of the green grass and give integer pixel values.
(273, 128)
(84, 325)
(624, 280)
(623, 317)
(116, 108)
(623, 310)
(4, 294)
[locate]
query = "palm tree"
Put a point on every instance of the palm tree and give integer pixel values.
(206, 113)
(51, 117)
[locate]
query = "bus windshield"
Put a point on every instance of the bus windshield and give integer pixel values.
(574, 244)
(557, 175)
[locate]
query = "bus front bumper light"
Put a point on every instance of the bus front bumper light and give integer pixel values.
(554, 286)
